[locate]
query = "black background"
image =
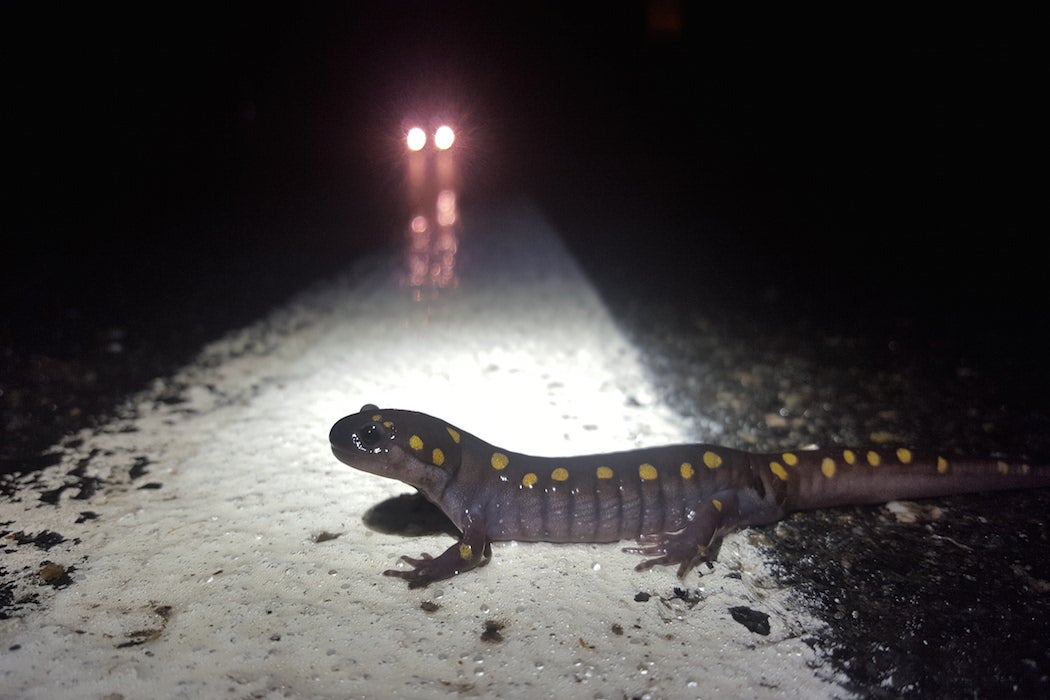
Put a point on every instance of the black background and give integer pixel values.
(154, 139)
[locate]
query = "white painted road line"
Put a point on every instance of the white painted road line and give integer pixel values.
(198, 570)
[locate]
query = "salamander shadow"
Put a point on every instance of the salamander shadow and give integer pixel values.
(409, 515)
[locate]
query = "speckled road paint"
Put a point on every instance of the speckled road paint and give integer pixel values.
(206, 543)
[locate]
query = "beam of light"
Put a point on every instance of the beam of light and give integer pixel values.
(416, 139)
(444, 137)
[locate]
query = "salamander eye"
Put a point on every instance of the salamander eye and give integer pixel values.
(370, 438)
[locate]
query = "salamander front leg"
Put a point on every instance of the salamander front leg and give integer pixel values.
(472, 550)
(697, 542)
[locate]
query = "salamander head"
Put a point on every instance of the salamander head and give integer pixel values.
(412, 447)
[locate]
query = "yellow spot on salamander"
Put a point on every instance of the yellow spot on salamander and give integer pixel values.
(790, 459)
(454, 433)
(827, 467)
(712, 461)
(717, 504)
(778, 470)
(873, 458)
(1024, 469)
(647, 471)
(560, 474)
(529, 480)
(904, 455)
(466, 551)
(415, 442)
(687, 470)
(1003, 467)
(438, 457)
(388, 424)
(604, 473)
(376, 418)
(942, 465)
(849, 456)
(499, 460)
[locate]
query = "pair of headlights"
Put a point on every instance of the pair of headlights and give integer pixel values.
(443, 138)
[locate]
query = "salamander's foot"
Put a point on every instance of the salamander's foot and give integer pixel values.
(670, 548)
(419, 576)
(455, 560)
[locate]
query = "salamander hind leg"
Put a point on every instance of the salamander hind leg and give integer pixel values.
(472, 550)
(697, 542)
(458, 558)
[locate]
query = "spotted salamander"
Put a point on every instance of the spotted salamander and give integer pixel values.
(677, 501)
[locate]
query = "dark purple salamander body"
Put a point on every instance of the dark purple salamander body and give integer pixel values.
(677, 501)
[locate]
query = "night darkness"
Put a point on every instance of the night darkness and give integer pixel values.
(160, 161)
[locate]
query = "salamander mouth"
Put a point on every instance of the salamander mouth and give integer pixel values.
(345, 456)
(360, 460)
